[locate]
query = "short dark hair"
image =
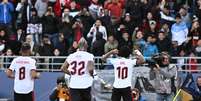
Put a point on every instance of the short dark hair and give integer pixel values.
(124, 51)
(25, 46)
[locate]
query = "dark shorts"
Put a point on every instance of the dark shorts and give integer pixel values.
(80, 94)
(24, 97)
(117, 93)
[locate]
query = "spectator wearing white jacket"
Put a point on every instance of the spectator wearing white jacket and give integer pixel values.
(97, 27)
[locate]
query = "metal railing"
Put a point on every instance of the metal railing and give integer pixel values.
(53, 63)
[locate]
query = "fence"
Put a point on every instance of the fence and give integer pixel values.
(53, 63)
(50, 64)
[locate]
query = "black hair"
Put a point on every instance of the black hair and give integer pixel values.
(25, 46)
(124, 51)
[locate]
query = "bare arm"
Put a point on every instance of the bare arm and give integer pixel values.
(139, 56)
(9, 73)
(90, 66)
(34, 74)
(105, 56)
(64, 68)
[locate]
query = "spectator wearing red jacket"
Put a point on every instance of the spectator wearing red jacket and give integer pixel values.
(116, 9)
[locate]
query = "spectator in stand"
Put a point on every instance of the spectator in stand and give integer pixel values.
(146, 22)
(134, 8)
(21, 35)
(34, 19)
(3, 37)
(116, 10)
(74, 7)
(165, 15)
(78, 29)
(152, 28)
(61, 5)
(125, 40)
(50, 24)
(8, 60)
(93, 8)
(198, 50)
(194, 34)
(41, 7)
(23, 13)
(46, 48)
(57, 59)
(163, 43)
(181, 61)
(111, 44)
(73, 48)
(193, 63)
(97, 27)
(185, 16)
(106, 19)
(87, 20)
(65, 26)
(6, 10)
(179, 31)
(198, 10)
(98, 45)
(61, 45)
(150, 47)
(129, 24)
(138, 40)
(166, 29)
(34, 46)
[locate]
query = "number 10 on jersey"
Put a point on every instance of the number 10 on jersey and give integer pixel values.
(122, 72)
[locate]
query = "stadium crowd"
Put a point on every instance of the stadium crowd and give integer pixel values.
(54, 27)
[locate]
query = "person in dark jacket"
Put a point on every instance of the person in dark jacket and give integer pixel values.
(163, 43)
(98, 45)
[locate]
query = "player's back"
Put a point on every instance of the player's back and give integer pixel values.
(80, 77)
(22, 66)
(123, 71)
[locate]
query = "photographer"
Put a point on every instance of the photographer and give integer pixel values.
(61, 92)
(163, 73)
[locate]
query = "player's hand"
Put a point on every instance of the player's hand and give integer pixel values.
(137, 52)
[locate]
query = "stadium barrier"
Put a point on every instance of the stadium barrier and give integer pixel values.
(50, 70)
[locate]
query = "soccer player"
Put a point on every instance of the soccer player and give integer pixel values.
(80, 66)
(123, 68)
(23, 70)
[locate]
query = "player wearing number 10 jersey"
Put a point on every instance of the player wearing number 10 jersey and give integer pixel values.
(80, 67)
(24, 69)
(123, 72)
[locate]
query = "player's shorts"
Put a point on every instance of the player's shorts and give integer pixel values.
(80, 94)
(117, 93)
(24, 97)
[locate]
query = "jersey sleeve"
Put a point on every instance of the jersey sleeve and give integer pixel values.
(13, 65)
(134, 62)
(33, 65)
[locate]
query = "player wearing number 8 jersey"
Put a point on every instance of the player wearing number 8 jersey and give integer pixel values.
(123, 72)
(80, 67)
(24, 69)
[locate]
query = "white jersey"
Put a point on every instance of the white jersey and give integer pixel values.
(80, 77)
(22, 67)
(123, 69)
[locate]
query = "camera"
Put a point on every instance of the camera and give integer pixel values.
(155, 59)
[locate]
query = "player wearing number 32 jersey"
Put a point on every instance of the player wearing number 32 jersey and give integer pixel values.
(123, 68)
(24, 69)
(80, 66)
